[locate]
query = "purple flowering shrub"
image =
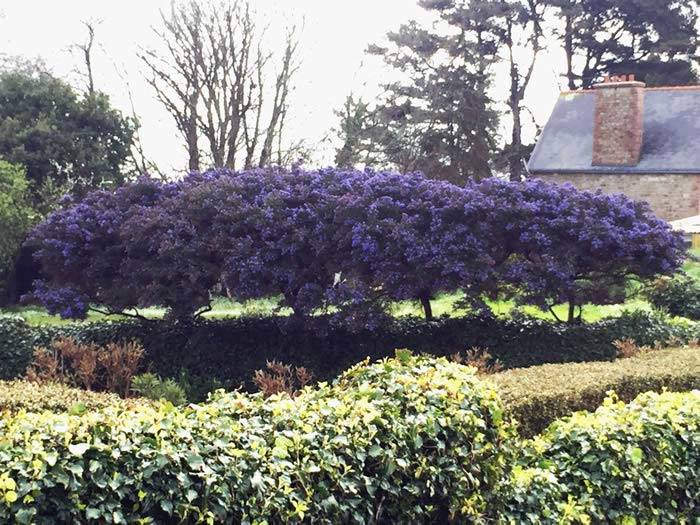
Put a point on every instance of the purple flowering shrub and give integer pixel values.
(560, 245)
(343, 239)
(270, 232)
(411, 237)
(83, 253)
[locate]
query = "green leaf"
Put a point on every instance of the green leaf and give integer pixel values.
(637, 455)
(92, 513)
(78, 449)
(374, 451)
(77, 409)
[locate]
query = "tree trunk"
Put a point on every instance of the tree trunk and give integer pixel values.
(515, 161)
(192, 134)
(569, 49)
(427, 307)
(572, 312)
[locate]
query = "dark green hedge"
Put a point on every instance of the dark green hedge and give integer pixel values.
(230, 350)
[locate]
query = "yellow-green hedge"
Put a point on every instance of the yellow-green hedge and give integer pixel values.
(537, 396)
(32, 397)
(407, 440)
(625, 464)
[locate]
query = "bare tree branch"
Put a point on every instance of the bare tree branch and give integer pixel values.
(212, 80)
(85, 51)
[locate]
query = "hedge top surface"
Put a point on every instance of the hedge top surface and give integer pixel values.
(411, 439)
(561, 380)
(539, 395)
(32, 397)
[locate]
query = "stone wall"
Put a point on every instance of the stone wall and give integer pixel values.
(671, 197)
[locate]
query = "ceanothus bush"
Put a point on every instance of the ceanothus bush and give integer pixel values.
(560, 245)
(411, 237)
(270, 232)
(343, 239)
(83, 251)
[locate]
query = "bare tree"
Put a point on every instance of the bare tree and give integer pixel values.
(85, 49)
(214, 81)
(279, 105)
(139, 163)
(176, 77)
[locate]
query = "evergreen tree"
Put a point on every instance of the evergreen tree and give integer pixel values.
(60, 138)
(631, 36)
(439, 117)
(16, 216)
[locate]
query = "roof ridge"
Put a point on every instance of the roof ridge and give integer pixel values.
(653, 88)
(672, 88)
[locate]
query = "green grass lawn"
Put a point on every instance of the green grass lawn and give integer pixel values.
(445, 304)
(692, 265)
(221, 308)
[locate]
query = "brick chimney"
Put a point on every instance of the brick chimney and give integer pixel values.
(618, 126)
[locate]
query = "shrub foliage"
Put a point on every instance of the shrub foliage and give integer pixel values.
(407, 439)
(560, 245)
(231, 350)
(679, 295)
(54, 397)
(344, 239)
(87, 365)
(538, 395)
(635, 463)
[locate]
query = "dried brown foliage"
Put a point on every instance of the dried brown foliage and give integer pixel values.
(45, 367)
(87, 365)
(480, 359)
(82, 360)
(120, 363)
(628, 348)
(279, 378)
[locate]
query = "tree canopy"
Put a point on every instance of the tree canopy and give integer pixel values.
(632, 36)
(438, 117)
(58, 136)
(560, 245)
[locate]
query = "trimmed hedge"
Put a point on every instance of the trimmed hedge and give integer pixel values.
(17, 342)
(537, 396)
(230, 350)
(409, 440)
(32, 397)
(635, 463)
(405, 440)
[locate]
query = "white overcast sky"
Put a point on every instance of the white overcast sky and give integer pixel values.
(335, 36)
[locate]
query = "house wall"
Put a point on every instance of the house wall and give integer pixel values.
(671, 197)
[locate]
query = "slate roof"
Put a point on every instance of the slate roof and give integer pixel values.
(671, 134)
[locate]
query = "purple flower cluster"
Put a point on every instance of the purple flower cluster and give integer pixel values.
(343, 239)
